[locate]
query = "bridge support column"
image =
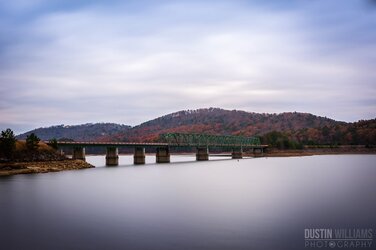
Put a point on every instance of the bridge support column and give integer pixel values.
(202, 154)
(78, 153)
(163, 155)
(237, 153)
(139, 155)
(112, 156)
(258, 151)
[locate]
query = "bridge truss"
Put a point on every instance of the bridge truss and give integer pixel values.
(197, 140)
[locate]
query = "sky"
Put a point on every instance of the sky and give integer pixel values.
(81, 61)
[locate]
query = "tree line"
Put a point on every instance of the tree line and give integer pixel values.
(8, 143)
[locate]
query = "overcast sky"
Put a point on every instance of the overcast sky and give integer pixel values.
(79, 61)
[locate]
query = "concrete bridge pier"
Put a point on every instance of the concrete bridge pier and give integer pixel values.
(237, 153)
(163, 155)
(78, 153)
(202, 154)
(112, 156)
(139, 155)
(258, 151)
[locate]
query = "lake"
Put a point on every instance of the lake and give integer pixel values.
(255, 203)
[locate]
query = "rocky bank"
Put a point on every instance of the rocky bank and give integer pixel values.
(41, 166)
(41, 160)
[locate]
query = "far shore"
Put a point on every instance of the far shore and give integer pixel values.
(288, 153)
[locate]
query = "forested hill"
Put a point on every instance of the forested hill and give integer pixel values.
(225, 122)
(84, 132)
(299, 128)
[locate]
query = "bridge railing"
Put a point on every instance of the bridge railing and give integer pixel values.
(184, 139)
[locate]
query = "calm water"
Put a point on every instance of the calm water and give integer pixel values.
(257, 203)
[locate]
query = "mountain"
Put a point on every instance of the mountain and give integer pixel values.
(224, 122)
(283, 130)
(84, 132)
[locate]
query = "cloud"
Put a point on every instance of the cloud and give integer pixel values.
(128, 64)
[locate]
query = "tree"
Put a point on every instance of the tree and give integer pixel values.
(53, 143)
(32, 141)
(7, 143)
(280, 140)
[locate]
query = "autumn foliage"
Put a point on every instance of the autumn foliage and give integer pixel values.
(285, 130)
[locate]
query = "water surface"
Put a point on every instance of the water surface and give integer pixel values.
(256, 203)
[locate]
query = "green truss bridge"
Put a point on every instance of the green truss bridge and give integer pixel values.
(197, 140)
(233, 145)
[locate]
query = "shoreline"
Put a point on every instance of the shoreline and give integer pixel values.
(13, 168)
(292, 154)
(319, 151)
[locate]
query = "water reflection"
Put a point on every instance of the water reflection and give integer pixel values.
(127, 160)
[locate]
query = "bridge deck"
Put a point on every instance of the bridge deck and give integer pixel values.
(111, 144)
(149, 144)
